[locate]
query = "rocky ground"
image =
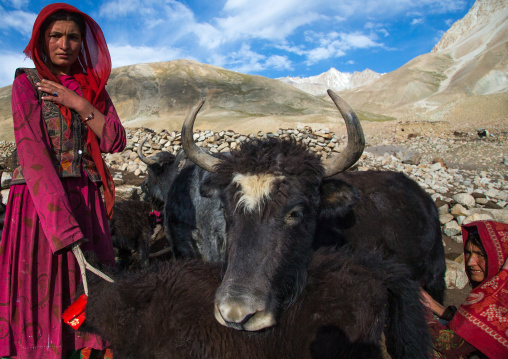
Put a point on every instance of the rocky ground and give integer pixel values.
(466, 173)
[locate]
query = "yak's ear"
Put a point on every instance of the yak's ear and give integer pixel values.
(337, 198)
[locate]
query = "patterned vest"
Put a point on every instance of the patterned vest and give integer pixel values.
(69, 149)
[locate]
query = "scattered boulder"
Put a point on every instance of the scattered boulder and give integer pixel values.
(455, 277)
(464, 199)
(451, 228)
(478, 217)
(459, 210)
(445, 218)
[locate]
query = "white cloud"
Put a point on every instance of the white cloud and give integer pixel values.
(417, 21)
(17, 20)
(339, 18)
(358, 40)
(279, 63)
(297, 50)
(17, 4)
(10, 62)
(323, 53)
(334, 44)
(266, 19)
(377, 27)
(119, 8)
(263, 27)
(247, 61)
(146, 12)
(129, 55)
(208, 36)
(156, 23)
(232, 5)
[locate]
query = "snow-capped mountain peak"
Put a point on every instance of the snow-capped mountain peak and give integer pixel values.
(331, 79)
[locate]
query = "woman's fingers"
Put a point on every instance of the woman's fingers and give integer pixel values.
(60, 94)
(57, 93)
(50, 87)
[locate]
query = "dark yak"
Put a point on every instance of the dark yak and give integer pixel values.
(194, 224)
(281, 202)
(131, 230)
(167, 312)
(134, 233)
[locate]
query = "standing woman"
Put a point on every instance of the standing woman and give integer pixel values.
(63, 120)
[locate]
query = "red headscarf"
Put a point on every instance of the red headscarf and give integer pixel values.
(482, 320)
(91, 70)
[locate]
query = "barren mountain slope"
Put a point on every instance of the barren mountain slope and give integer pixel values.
(167, 90)
(396, 93)
(470, 61)
(159, 96)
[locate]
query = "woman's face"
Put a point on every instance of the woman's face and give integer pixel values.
(476, 263)
(62, 40)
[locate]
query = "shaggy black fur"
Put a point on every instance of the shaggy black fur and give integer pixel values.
(131, 230)
(393, 213)
(167, 312)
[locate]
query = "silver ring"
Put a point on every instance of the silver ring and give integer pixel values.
(55, 94)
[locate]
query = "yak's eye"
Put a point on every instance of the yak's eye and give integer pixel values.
(294, 215)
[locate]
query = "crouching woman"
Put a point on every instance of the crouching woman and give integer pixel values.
(480, 325)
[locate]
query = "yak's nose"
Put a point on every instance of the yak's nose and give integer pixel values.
(234, 312)
(242, 316)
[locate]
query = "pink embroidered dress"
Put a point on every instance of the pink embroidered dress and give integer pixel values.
(39, 276)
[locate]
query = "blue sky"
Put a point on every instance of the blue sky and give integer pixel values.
(272, 38)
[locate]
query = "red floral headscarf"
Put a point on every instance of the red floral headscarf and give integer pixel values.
(482, 320)
(91, 70)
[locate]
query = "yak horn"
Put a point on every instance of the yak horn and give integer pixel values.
(355, 139)
(142, 157)
(195, 153)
